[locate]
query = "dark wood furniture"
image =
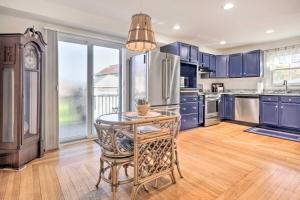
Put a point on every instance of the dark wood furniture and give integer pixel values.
(21, 63)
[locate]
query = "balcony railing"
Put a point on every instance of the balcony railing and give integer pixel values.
(106, 104)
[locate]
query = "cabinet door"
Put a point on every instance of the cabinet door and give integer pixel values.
(184, 52)
(221, 66)
(189, 121)
(212, 65)
(269, 113)
(200, 59)
(205, 61)
(194, 54)
(221, 107)
(201, 111)
(251, 64)
(236, 65)
(229, 107)
(289, 115)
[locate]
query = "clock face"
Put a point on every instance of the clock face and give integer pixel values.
(30, 57)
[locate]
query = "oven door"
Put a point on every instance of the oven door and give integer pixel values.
(211, 107)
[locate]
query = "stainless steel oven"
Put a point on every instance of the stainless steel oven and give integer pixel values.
(212, 109)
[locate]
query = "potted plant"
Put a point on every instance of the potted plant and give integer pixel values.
(142, 107)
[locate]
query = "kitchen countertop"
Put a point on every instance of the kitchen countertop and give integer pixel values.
(258, 94)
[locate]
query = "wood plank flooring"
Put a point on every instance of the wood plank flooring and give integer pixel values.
(220, 162)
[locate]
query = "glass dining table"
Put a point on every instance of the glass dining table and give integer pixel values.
(153, 143)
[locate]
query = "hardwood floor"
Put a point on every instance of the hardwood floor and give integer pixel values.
(219, 162)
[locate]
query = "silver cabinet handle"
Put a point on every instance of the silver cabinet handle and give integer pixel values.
(194, 118)
(290, 99)
(276, 107)
(194, 107)
(269, 99)
(281, 107)
(184, 120)
(183, 108)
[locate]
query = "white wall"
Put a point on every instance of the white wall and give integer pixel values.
(251, 83)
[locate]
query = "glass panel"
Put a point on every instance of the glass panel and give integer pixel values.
(30, 102)
(8, 105)
(105, 80)
(72, 63)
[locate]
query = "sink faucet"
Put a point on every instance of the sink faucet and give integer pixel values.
(285, 83)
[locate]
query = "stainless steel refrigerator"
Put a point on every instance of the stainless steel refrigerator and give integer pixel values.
(155, 77)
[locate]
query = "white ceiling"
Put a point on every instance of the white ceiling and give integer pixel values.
(202, 21)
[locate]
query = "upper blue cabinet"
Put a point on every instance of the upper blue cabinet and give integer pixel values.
(212, 65)
(236, 65)
(222, 66)
(205, 60)
(252, 63)
(188, 53)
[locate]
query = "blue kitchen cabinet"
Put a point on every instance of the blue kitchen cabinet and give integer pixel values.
(222, 66)
(189, 111)
(221, 107)
(289, 115)
(200, 59)
(212, 65)
(252, 63)
(189, 121)
(201, 110)
(184, 52)
(269, 113)
(229, 107)
(205, 60)
(188, 53)
(194, 54)
(289, 112)
(236, 65)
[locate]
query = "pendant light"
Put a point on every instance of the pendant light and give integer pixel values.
(141, 35)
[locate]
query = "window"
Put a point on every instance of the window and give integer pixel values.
(284, 64)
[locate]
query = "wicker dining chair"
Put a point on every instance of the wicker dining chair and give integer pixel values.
(116, 152)
(176, 134)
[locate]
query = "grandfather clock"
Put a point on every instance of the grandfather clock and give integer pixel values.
(21, 63)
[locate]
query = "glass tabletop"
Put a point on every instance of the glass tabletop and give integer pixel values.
(127, 118)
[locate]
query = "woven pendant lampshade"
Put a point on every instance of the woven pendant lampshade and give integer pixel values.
(141, 35)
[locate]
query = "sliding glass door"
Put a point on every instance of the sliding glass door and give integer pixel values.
(89, 85)
(72, 64)
(106, 80)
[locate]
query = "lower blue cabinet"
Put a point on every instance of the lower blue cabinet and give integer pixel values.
(191, 110)
(189, 121)
(201, 110)
(269, 113)
(282, 111)
(289, 115)
(226, 107)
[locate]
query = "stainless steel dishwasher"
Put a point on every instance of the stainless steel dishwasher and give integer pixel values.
(247, 108)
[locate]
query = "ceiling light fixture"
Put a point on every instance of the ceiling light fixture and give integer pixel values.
(228, 6)
(269, 31)
(141, 35)
(176, 27)
(223, 42)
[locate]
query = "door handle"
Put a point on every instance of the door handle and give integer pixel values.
(164, 79)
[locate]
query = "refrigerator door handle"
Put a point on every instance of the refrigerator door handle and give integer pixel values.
(168, 75)
(164, 79)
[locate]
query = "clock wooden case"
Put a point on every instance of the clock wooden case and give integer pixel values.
(21, 64)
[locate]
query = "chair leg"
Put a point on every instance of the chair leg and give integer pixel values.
(114, 179)
(172, 175)
(177, 163)
(134, 192)
(100, 173)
